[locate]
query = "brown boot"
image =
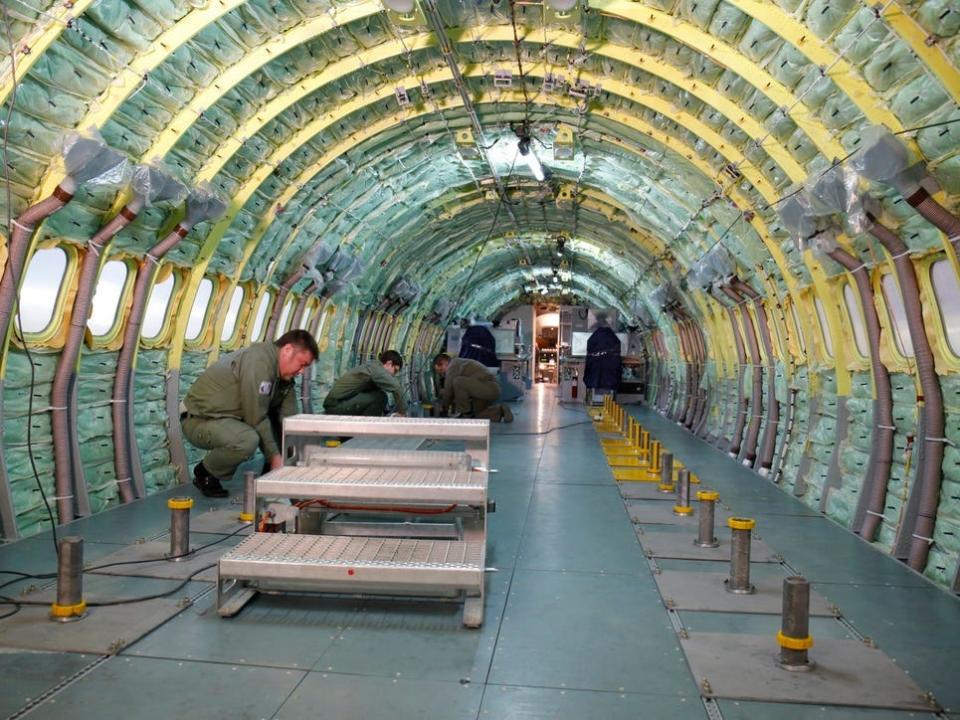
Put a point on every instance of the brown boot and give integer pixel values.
(506, 414)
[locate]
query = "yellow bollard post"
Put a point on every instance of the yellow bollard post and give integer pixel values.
(653, 464)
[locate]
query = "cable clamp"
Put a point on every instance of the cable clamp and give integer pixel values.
(61, 497)
(905, 253)
(121, 481)
(56, 407)
(944, 440)
(151, 258)
(115, 401)
(886, 427)
(876, 514)
(927, 540)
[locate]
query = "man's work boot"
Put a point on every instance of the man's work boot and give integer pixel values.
(207, 483)
(506, 414)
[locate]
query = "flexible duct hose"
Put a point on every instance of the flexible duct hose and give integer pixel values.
(930, 471)
(773, 406)
(687, 354)
(882, 436)
(756, 404)
(131, 337)
(17, 247)
(281, 299)
(701, 414)
(742, 402)
(692, 376)
(937, 215)
(61, 405)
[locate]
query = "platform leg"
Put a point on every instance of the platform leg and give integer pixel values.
(232, 595)
(473, 609)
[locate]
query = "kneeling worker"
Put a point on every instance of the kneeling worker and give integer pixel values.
(238, 404)
(470, 389)
(363, 390)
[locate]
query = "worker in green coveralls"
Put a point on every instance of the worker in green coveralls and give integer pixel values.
(363, 390)
(238, 404)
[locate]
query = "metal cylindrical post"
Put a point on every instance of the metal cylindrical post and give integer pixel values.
(653, 462)
(794, 636)
(666, 472)
(645, 447)
(69, 604)
(179, 527)
(739, 580)
(682, 508)
(249, 496)
(708, 511)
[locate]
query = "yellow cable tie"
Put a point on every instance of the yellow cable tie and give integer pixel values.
(246, 517)
(792, 643)
(708, 495)
(180, 503)
(736, 523)
(683, 510)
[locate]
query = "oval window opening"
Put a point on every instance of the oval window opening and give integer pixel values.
(947, 290)
(41, 288)
(284, 318)
(198, 313)
(233, 311)
(156, 314)
(856, 320)
(898, 315)
(824, 327)
(258, 322)
(106, 298)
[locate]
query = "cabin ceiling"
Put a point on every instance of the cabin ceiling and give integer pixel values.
(666, 128)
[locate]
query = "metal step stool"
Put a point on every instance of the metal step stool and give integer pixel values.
(355, 565)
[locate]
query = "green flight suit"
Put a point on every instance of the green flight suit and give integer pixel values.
(468, 387)
(363, 391)
(237, 405)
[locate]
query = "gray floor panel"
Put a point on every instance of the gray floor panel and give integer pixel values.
(651, 512)
(104, 629)
(37, 555)
(220, 521)
(754, 624)
(286, 631)
(644, 491)
(658, 543)
(505, 526)
(739, 710)
(354, 697)
(133, 559)
(27, 675)
(847, 672)
(150, 689)
(502, 702)
(418, 640)
(579, 528)
(707, 591)
(588, 632)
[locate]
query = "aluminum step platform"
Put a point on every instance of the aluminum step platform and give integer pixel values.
(382, 457)
(408, 485)
(361, 565)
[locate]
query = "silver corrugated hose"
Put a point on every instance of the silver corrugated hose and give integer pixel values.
(881, 445)
(753, 431)
(930, 471)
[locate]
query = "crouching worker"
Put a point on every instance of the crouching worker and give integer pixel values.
(363, 390)
(238, 404)
(470, 389)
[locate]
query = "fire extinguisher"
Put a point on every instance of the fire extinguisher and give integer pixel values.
(576, 385)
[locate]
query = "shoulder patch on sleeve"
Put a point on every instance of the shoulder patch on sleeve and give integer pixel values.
(266, 387)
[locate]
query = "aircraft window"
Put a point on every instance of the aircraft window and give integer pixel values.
(106, 297)
(284, 318)
(198, 313)
(233, 311)
(155, 316)
(824, 327)
(306, 317)
(947, 290)
(856, 320)
(323, 323)
(265, 300)
(799, 328)
(898, 315)
(41, 289)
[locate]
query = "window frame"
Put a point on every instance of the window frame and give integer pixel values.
(896, 341)
(216, 291)
(166, 271)
(285, 318)
(54, 334)
(251, 323)
(231, 341)
(851, 295)
(951, 352)
(112, 338)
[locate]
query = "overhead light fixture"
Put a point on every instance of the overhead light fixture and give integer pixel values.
(404, 7)
(528, 155)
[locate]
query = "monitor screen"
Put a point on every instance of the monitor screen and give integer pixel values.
(505, 340)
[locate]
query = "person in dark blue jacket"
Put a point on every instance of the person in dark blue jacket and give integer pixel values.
(477, 343)
(602, 367)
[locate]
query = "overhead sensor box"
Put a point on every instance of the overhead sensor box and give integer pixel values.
(404, 12)
(563, 143)
(565, 197)
(466, 144)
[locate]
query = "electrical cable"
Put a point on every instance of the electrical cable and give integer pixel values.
(550, 430)
(18, 322)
